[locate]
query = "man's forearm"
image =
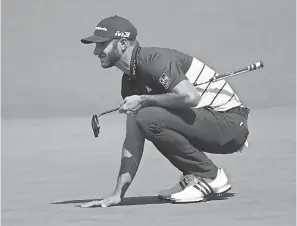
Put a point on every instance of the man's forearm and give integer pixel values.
(125, 176)
(168, 100)
(128, 169)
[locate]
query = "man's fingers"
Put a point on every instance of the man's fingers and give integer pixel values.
(107, 203)
(123, 102)
(121, 109)
(124, 109)
(95, 203)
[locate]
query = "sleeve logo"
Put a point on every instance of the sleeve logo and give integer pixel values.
(165, 81)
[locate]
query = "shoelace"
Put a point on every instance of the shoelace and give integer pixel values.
(186, 179)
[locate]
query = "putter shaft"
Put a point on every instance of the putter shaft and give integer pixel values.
(109, 111)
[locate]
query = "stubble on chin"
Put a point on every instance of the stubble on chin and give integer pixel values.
(111, 58)
(106, 65)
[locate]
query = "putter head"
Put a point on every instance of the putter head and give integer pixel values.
(95, 125)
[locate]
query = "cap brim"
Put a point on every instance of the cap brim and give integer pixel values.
(94, 39)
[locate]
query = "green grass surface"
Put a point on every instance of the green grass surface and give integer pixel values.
(50, 166)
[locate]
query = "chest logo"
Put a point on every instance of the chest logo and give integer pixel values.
(148, 89)
(165, 80)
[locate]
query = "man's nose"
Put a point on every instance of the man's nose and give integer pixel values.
(97, 51)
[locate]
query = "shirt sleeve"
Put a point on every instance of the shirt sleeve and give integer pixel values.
(167, 78)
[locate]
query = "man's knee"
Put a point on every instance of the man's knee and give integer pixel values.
(150, 121)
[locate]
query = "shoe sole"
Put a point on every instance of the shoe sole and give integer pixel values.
(210, 197)
(223, 189)
(179, 201)
(162, 198)
(217, 193)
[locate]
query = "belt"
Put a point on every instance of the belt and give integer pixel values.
(241, 110)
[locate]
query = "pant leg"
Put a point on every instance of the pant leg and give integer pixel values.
(183, 135)
(194, 161)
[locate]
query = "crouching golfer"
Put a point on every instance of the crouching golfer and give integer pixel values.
(166, 105)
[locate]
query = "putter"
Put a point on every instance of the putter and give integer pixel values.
(218, 77)
(245, 69)
(95, 121)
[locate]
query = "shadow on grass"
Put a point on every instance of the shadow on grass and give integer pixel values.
(141, 200)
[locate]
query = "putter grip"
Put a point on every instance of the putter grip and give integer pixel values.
(245, 69)
(255, 66)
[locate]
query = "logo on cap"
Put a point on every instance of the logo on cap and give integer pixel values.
(101, 28)
(122, 34)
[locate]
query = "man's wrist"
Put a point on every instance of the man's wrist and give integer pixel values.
(143, 100)
(123, 183)
(117, 194)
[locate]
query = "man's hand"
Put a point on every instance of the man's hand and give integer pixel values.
(109, 201)
(131, 105)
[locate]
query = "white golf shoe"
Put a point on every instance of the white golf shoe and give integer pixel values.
(184, 181)
(203, 189)
(220, 184)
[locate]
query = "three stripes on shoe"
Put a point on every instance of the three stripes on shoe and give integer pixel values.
(205, 189)
(201, 185)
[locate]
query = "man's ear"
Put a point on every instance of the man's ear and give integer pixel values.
(123, 44)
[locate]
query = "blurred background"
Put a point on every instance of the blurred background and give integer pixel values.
(47, 72)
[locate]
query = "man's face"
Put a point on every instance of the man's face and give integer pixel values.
(108, 53)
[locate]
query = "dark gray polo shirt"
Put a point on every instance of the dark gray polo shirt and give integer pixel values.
(155, 70)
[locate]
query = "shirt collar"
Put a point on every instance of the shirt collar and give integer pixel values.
(133, 63)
